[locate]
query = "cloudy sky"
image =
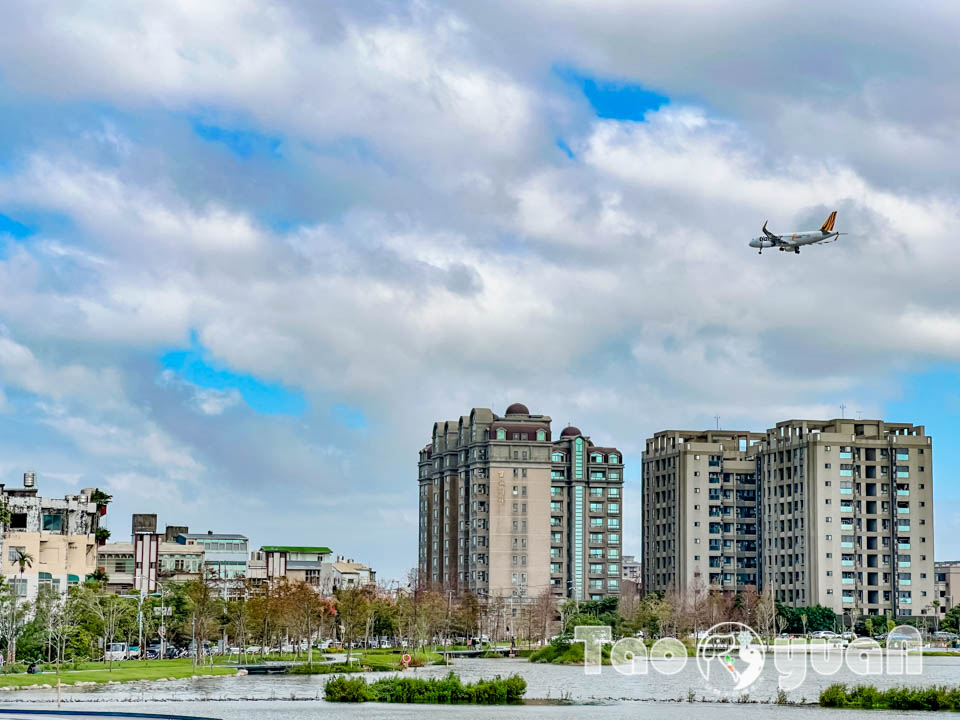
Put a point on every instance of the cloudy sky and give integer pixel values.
(250, 252)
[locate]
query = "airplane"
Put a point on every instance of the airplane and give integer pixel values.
(794, 241)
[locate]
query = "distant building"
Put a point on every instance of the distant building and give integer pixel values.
(59, 536)
(224, 555)
(225, 559)
(344, 573)
(947, 579)
(295, 563)
(176, 562)
(631, 568)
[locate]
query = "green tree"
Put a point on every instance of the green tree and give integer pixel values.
(951, 620)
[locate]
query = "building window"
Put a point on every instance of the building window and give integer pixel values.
(541, 435)
(13, 552)
(53, 523)
(501, 434)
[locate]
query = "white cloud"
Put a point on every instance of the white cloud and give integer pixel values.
(441, 253)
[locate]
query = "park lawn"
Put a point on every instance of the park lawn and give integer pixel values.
(122, 672)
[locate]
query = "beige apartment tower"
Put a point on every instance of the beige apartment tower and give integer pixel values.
(700, 511)
(847, 516)
(506, 510)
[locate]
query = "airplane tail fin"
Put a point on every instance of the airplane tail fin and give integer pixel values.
(828, 225)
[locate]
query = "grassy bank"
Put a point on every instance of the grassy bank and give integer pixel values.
(446, 691)
(122, 672)
(867, 697)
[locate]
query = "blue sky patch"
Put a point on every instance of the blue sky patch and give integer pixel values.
(243, 143)
(17, 229)
(350, 417)
(198, 368)
(566, 148)
(614, 99)
(932, 398)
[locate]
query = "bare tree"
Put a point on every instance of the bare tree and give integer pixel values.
(110, 611)
(544, 612)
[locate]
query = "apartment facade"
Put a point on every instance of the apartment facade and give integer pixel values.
(59, 535)
(847, 510)
(947, 590)
(507, 511)
(123, 564)
(700, 511)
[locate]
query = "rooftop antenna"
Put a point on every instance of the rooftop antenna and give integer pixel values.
(717, 418)
(843, 409)
(859, 415)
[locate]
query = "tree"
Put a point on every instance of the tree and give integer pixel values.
(108, 611)
(353, 609)
(544, 611)
(951, 621)
(24, 560)
(204, 608)
(766, 614)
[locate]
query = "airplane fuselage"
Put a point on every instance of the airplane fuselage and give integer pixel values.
(792, 240)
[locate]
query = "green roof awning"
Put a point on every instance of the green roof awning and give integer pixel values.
(45, 576)
(296, 549)
(73, 578)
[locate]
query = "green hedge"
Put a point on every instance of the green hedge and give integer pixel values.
(441, 691)
(937, 697)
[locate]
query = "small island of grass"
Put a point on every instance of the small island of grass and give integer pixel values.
(868, 697)
(436, 691)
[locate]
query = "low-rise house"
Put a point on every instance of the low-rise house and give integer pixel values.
(344, 573)
(58, 537)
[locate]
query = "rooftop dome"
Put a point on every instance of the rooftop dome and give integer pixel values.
(570, 431)
(518, 409)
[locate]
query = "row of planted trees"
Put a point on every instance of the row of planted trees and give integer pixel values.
(246, 615)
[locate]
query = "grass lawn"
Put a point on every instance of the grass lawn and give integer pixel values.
(122, 672)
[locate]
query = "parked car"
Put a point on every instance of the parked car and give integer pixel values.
(826, 634)
(117, 651)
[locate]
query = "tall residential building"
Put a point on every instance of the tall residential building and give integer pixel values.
(58, 535)
(847, 510)
(506, 510)
(947, 585)
(699, 510)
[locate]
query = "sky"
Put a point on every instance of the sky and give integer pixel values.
(250, 252)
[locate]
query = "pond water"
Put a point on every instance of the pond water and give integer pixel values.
(610, 694)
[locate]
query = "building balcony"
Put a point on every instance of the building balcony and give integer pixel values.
(903, 563)
(847, 563)
(847, 581)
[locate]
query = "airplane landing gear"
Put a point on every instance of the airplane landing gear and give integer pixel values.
(797, 250)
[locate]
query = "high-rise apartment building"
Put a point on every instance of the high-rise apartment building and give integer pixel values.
(847, 516)
(506, 510)
(700, 510)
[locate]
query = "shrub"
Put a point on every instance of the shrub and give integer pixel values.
(448, 690)
(898, 698)
(344, 689)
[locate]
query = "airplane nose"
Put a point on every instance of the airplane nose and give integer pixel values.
(754, 243)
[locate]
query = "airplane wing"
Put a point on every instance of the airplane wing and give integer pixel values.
(768, 233)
